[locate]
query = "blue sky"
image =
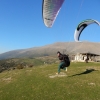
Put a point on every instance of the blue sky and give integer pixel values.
(22, 27)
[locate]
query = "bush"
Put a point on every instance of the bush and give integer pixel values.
(31, 66)
(20, 66)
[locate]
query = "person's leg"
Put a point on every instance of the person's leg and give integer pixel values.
(61, 66)
(66, 69)
(66, 65)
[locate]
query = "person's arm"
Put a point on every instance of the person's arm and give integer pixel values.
(61, 57)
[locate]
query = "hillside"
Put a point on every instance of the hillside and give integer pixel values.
(81, 82)
(51, 49)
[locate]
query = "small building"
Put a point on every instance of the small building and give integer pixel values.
(81, 57)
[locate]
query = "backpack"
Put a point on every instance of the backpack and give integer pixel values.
(66, 60)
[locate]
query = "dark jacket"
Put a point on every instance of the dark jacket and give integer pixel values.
(64, 58)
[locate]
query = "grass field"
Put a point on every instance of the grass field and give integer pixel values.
(36, 84)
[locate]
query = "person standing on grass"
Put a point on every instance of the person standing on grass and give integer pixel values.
(64, 62)
(87, 59)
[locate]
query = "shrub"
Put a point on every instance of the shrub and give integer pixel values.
(20, 66)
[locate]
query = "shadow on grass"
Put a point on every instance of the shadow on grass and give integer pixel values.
(85, 72)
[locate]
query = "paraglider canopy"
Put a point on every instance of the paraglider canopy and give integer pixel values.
(50, 10)
(82, 26)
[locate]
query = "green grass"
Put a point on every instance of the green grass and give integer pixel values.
(35, 83)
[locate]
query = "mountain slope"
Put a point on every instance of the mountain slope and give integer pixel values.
(51, 49)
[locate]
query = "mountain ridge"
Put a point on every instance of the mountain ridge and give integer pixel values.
(51, 49)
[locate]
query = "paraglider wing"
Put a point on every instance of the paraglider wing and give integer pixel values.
(50, 10)
(82, 26)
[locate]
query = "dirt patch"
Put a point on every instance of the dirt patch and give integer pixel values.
(59, 75)
(7, 79)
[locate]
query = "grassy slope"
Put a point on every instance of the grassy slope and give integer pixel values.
(35, 84)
